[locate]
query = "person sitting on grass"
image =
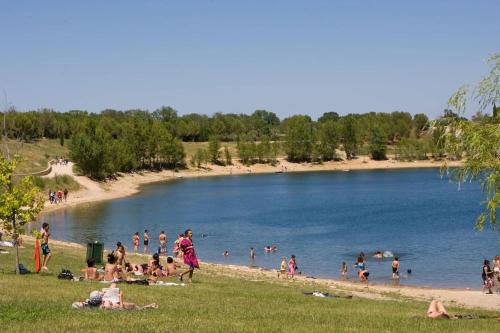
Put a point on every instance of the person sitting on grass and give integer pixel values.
(171, 267)
(155, 259)
(91, 272)
(111, 271)
(133, 268)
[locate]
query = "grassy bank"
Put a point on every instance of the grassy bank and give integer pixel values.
(58, 182)
(213, 303)
(35, 155)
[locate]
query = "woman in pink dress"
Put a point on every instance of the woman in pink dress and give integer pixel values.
(189, 255)
(292, 264)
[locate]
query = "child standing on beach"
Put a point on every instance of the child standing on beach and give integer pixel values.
(282, 271)
(343, 270)
(395, 268)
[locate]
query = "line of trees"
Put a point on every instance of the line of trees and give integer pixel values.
(120, 141)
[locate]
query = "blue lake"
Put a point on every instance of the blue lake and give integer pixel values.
(323, 218)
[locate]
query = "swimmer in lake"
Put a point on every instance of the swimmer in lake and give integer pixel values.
(378, 254)
(226, 253)
(267, 249)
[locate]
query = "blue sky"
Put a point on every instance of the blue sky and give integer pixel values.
(288, 57)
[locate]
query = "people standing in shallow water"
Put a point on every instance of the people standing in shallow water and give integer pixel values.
(251, 254)
(362, 269)
(135, 239)
(189, 255)
(146, 241)
(343, 270)
(395, 268)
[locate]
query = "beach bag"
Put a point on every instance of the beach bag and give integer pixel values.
(65, 275)
(23, 270)
(95, 298)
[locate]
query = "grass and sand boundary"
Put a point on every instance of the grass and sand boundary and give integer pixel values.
(221, 299)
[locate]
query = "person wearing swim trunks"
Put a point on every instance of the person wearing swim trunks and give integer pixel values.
(146, 241)
(395, 268)
(45, 246)
(163, 243)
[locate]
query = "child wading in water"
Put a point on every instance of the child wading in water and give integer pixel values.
(343, 270)
(146, 241)
(395, 268)
(282, 271)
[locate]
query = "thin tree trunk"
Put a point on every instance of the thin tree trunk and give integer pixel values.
(15, 238)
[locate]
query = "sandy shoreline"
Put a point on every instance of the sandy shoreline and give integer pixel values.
(129, 184)
(458, 297)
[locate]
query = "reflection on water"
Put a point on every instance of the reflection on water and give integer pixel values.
(322, 218)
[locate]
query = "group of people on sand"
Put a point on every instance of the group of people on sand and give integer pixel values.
(491, 276)
(56, 197)
(118, 268)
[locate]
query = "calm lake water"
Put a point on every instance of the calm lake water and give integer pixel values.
(323, 218)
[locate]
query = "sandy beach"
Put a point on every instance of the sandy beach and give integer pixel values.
(129, 184)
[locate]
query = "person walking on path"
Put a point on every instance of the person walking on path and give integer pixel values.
(189, 255)
(146, 241)
(65, 195)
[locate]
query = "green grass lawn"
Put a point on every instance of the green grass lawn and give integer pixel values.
(36, 154)
(212, 303)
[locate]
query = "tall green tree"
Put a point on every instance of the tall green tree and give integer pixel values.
(213, 149)
(350, 141)
(327, 139)
(299, 138)
(420, 123)
(19, 202)
(378, 144)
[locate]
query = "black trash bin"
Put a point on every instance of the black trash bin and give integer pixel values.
(95, 251)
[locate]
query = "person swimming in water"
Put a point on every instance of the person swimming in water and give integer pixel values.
(378, 254)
